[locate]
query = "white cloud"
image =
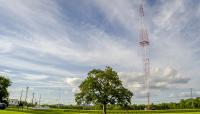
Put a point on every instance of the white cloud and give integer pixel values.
(186, 94)
(160, 79)
(123, 12)
(169, 72)
(27, 65)
(31, 13)
(35, 77)
(5, 47)
(75, 90)
(73, 81)
(165, 18)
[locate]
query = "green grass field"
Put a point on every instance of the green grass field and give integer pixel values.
(52, 111)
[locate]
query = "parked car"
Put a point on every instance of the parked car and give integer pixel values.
(2, 106)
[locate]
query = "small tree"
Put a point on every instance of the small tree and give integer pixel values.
(4, 84)
(103, 87)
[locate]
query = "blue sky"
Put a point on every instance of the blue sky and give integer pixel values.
(50, 46)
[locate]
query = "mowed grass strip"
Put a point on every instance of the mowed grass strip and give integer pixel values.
(35, 112)
(184, 113)
(50, 111)
(13, 111)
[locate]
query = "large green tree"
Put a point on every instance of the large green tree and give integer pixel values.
(103, 87)
(4, 84)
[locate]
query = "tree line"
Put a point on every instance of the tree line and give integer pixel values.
(182, 104)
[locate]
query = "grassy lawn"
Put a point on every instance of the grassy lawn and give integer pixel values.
(12, 112)
(88, 112)
(184, 113)
(36, 112)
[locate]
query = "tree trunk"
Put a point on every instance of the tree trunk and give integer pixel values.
(1, 99)
(104, 108)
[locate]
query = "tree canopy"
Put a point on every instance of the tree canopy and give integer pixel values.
(103, 87)
(4, 84)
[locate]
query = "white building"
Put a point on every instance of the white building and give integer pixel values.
(13, 102)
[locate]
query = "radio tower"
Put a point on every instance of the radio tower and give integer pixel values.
(144, 43)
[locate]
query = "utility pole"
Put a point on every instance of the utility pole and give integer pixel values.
(26, 94)
(33, 98)
(40, 100)
(20, 99)
(36, 101)
(191, 95)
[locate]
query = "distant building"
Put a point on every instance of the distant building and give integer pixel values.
(13, 102)
(60, 105)
(87, 105)
(40, 108)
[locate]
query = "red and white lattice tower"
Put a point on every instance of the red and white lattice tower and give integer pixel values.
(144, 43)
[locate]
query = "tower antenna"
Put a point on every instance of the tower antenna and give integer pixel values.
(144, 44)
